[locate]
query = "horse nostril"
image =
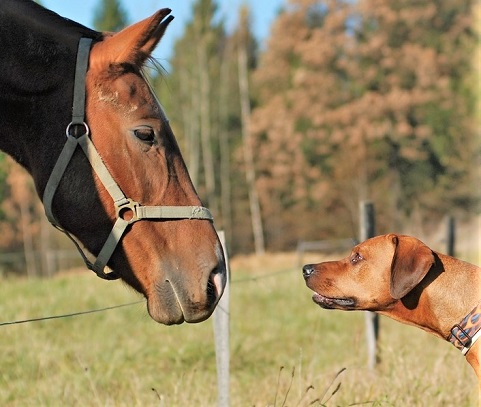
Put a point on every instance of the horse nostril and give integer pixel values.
(216, 283)
(308, 270)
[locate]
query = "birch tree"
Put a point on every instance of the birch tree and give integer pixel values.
(194, 79)
(245, 104)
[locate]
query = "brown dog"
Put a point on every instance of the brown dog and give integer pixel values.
(399, 276)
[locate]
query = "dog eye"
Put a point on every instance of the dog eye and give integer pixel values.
(356, 257)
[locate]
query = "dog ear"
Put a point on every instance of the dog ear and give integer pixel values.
(411, 262)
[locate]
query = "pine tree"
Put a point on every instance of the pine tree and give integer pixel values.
(110, 16)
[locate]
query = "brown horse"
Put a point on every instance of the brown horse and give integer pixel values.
(166, 247)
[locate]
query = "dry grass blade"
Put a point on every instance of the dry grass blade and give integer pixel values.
(310, 387)
(278, 382)
(330, 385)
(289, 388)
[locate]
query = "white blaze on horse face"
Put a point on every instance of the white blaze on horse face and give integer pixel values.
(112, 98)
(108, 97)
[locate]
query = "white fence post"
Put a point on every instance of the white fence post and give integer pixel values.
(221, 336)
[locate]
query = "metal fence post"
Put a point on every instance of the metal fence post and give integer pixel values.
(221, 318)
(451, 236)
(368, 230)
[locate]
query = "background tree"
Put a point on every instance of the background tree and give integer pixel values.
(203, 89)
(244, 42)
(374, 99)
(299, 81)
(110, 16)
(412, 63)
(195, 76)
(365, 100)
(21, 215)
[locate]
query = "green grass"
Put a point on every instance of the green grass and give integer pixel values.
(281, 345)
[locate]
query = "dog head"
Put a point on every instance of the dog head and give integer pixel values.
(376, 274)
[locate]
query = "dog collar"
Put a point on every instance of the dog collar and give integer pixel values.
(468, 331)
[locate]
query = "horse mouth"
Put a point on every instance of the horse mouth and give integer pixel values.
(169, 304)
(333, 303)
(163, 305)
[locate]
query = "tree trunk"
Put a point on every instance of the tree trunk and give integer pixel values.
(189, 110)
(205, 128)
(257, 227)
(27, 239)
(225, 184)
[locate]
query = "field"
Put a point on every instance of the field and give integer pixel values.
(285, 351)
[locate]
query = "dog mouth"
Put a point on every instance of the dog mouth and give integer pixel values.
(333, 303)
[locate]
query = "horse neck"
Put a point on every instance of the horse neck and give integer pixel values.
(36, 77)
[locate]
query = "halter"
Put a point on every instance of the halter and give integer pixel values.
(127, 210)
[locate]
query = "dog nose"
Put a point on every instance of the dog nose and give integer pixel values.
(308, 270)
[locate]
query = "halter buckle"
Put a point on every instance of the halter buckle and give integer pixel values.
(128, 211)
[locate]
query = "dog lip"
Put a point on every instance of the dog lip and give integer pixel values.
(332, 303)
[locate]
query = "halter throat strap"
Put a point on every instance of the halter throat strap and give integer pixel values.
(127, 210)
(468, 331)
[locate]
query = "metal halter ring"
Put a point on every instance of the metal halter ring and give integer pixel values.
(128, 211)
(76, 133)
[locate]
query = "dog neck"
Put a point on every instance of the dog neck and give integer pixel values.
(443, 299)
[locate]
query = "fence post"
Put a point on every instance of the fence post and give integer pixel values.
(221, 318)
(368, 230)
(451, 238)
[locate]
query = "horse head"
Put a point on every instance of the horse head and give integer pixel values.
(177, 264)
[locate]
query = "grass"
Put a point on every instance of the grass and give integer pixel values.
(285, 351)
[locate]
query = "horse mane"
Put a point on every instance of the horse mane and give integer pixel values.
(49, 22)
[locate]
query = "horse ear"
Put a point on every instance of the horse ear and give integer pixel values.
(133, 44)
(411, 262)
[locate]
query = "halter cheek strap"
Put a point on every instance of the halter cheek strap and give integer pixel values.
(127, 210)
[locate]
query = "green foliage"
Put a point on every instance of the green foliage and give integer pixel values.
(110, 16)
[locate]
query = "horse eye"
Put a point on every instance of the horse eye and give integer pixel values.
(145, 134)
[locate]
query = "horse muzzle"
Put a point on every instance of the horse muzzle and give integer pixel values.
(175, 300)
